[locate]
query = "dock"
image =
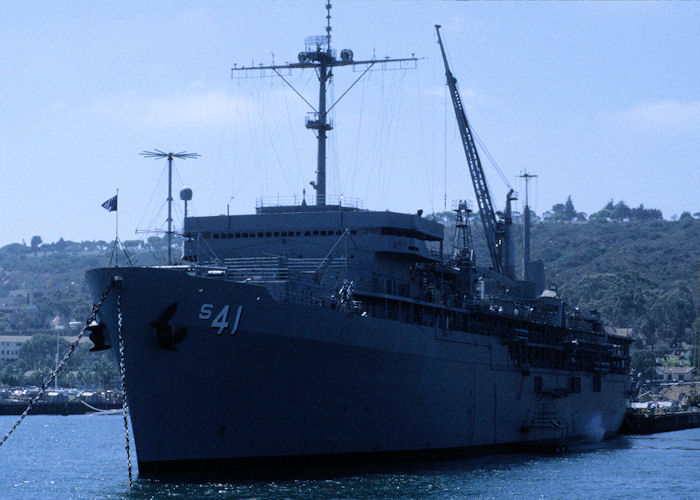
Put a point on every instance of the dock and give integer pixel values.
(643, 421)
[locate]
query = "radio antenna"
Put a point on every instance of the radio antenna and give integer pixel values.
(182, 155)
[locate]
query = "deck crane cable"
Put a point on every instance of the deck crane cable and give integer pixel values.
(476, 172)
(491, 159)
(486, 151)
(497, 232)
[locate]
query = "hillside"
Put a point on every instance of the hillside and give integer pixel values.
(638, 274)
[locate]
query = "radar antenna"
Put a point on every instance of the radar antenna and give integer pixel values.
(319, 56)
(182, 155)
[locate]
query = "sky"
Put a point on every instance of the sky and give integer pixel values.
(601, 100)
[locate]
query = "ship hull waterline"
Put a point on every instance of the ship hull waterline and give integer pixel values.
(272, 383)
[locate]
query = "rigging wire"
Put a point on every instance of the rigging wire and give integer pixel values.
(445, 141)
(484, 149)
(355, 165)
(387, 132)
(153, 195)
(297, 160)
(427, 164)
(333, 166)
(491, 158)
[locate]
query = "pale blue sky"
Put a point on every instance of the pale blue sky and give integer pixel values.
(600, 99)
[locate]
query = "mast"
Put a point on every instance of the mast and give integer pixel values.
(319, 55)
(463, 244)
(526, 228)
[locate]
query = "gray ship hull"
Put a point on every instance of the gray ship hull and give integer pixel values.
(275, 381)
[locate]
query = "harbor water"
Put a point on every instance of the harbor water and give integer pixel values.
(83, 456)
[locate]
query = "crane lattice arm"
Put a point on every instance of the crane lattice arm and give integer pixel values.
(483, 198)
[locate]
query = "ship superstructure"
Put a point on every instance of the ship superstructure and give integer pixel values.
(327, 330)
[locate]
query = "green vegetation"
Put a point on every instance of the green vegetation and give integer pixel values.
(636, 269)
(37, 358)
(43, 281)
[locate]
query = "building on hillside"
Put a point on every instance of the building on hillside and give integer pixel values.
(626, 332)
(21, 297)
(10, 345)
(675, 373)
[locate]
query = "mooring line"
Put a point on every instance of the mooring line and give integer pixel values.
(54, 373)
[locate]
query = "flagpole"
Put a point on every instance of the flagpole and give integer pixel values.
(116, 232)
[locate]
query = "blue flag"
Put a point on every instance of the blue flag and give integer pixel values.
(111, 204)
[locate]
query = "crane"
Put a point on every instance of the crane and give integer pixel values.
(496, 231)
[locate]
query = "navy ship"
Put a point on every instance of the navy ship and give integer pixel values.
(326, 331)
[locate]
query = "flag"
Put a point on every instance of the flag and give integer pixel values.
(56, 320)
(111, 204)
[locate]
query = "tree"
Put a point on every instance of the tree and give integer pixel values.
(569, 210)
(39, 353)
(564, 212)
(641, 213)
(35, 242)
(621, 212)
(60, 245)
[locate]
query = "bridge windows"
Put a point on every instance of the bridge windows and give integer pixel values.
(268, 234)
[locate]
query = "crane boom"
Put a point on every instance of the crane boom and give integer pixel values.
(483, 198)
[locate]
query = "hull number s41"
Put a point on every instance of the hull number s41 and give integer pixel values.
(221, 320)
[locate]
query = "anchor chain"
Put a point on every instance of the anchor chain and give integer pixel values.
(54, 373)
(122, 371)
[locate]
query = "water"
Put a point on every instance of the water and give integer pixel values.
(84, 457)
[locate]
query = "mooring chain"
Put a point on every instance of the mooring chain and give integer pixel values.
(122, 371)
(54, 373)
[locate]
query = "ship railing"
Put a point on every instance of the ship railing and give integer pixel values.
(295, 201)
(272, 268)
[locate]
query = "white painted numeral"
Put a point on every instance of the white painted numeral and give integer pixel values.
(221, 320)
(234, 330)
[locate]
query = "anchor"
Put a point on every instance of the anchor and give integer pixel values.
(97, 335)
(164, 330)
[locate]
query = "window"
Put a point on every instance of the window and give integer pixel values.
(597, 383)
(277, 233)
